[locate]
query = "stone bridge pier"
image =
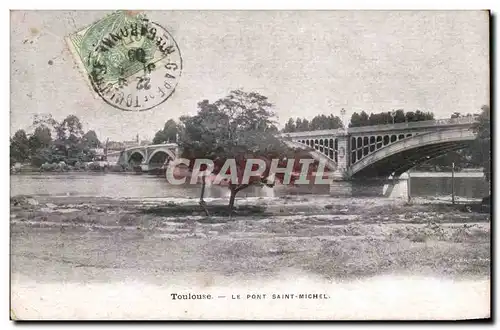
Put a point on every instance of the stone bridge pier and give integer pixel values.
(392, 187)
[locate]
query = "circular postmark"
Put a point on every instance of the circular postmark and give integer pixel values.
(133, 64)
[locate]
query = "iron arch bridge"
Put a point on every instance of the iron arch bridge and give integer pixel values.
(383, 150)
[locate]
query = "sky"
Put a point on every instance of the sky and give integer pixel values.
(306, 62)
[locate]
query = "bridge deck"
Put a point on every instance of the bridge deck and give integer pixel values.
(389, 127)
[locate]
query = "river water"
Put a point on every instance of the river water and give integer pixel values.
(120, 185)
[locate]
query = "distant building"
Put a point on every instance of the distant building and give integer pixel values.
(98, 151)
(130, 144)
(120, 145)
(115, 146)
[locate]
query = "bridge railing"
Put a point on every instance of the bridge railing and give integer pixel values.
(388, 127)
(313, 133)
(415, 124)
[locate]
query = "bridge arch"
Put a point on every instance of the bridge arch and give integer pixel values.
(136, 157)
(160, 156)
(330, 163)
(406, 152)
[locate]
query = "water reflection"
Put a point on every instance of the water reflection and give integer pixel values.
(146, 186)
(117, 185)
(470, 187)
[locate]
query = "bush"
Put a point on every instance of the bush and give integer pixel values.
(95, 167)
(54, 167)
(42, 157)
(47, 167)
(81, 166)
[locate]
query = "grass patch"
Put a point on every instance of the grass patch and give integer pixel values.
(197, 210)
(367, 257)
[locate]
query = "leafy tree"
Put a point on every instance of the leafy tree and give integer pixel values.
(421, 116)
(41, 138)
(361, 119)
(90, 139)
(239, 126)
(44, 155)
(19, 147)
(355, 120)
(410, 116)
(68, 143)
(290, 126)
(167, 134)
(298, 124)
(482, 145)
(319, 122)
(364, 118)
(305, 125)
(334, 122)
(45, 120)
(400, 117)
(71, 125)
(383, 118)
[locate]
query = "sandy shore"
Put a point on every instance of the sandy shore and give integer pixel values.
(123, 258)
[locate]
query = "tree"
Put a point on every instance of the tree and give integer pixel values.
(45, 120)
(298, 125)
(421, 116)
(410, 116)
(69, 137)
(239, 126)
(305, 125)
(167, 134)
(319, 122)
(481, 153)
(334, 122)
(44, 155)
(248, 131)
(290, 126)
(71, 125)
(70, 145)
(41, 138)
(355, 120)
(383, 118)
(19, 147)
(91, 140)
(363, 119)
(400, 116)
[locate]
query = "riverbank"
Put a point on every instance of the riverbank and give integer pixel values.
(115, 168)
(77, 240)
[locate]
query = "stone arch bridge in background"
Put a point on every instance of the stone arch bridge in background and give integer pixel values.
(147, 157)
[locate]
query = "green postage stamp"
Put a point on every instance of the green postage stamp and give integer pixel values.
(133, 64)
